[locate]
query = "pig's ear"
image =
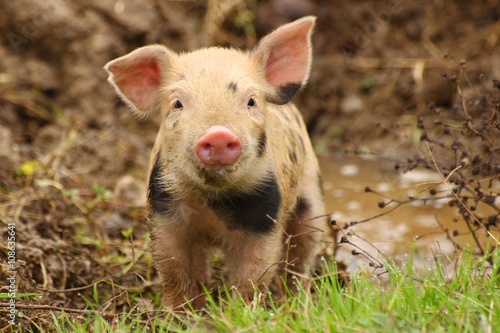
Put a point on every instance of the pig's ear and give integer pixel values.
(137, 76)
(285, 56)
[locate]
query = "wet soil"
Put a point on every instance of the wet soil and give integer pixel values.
(73, 158)
(396, 216)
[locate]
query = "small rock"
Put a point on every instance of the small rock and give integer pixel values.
(352, 104)
(131, 190)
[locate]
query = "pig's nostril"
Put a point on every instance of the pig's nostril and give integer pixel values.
(232, 146)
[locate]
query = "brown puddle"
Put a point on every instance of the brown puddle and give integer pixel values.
(397, 233)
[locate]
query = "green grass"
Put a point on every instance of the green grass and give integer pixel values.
(403, 301)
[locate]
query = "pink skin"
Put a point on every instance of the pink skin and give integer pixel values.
(218, 147)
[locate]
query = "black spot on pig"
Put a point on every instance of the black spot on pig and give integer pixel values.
(261, 144)
(302, 206)
(285, 93)
(158, 199)
(254, 211)
(232, 86)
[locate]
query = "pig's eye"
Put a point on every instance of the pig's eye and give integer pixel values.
(178, 104)
(251, 102)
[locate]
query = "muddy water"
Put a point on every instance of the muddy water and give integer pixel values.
(397, 233)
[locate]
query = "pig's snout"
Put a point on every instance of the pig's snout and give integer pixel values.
(218, 147)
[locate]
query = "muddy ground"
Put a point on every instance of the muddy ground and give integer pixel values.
(73, 159)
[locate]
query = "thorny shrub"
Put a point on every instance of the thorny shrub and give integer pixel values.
(461, 143)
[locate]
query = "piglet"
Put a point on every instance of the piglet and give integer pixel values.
(233, 167)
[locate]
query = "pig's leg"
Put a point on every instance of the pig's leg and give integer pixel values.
(306, 228)
(253, 261)
(182, 263)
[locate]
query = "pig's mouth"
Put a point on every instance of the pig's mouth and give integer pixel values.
(216, 175)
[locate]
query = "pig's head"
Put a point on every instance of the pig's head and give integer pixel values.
(214, 102)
